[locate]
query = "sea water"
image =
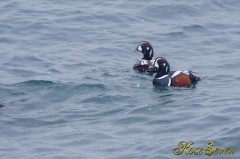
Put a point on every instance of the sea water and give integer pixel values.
(69, 91)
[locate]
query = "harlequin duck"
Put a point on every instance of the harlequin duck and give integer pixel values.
(146, 63)
(165, 77)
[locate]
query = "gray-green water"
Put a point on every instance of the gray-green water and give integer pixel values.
(69, 90)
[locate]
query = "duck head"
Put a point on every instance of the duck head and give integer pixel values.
(162, 66)
(147, 50)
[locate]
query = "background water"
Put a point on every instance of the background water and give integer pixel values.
(69, 90)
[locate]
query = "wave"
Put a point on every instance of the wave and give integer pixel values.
(35, 83)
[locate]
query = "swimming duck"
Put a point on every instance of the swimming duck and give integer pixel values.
(165, 77)
(145, 64)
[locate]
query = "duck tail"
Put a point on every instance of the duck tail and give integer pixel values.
(193, 77)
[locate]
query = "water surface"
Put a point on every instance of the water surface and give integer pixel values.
(69, 90)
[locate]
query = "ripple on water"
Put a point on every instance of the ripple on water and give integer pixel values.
(172, 11)
(1, 106)
(105, 99)
(69, 91)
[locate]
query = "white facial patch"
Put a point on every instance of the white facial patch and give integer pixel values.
(156, 63)
(140, 47)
